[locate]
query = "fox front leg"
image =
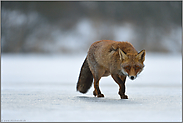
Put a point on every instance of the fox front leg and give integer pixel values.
(122, 87)
(120, 80)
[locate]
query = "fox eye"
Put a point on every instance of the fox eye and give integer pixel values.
(137, 67)
(128, 68)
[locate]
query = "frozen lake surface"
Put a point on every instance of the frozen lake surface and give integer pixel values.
(43, 88)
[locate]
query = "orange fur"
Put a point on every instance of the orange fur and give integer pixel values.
(118, 59)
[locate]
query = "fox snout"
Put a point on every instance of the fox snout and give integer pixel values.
(132, 77)
(131, 72)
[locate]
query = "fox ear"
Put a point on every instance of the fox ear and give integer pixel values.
(122, 55)
(141, 55)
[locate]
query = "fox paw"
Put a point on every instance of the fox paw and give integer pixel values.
(100, 95)
(94, 93)
(124, 96)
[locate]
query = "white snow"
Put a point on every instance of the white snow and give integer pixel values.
(43, 88)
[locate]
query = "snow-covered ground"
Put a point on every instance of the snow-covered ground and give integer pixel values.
(43, 88)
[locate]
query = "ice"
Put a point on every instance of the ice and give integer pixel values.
(43, 88)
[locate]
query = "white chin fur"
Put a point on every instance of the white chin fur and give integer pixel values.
(124, 72)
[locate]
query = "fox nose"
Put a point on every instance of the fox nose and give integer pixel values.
(132, 77)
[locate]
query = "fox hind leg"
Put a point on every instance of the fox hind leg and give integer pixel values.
(97, 76)
(97, 91)
(97, 72)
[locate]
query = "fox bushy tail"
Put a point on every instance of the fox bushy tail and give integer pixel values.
(85, 78)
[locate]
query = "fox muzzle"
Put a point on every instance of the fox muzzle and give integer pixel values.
(132, 77)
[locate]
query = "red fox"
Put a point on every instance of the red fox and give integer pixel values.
(107, 57)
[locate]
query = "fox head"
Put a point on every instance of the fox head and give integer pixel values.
(132, 64)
